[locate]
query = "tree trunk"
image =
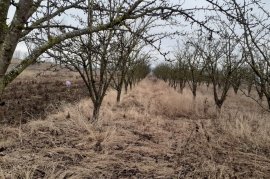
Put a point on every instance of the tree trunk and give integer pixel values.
(130, 85)
(194, 91)
(2, 88)
(182, 86)
(207, 84)
(181, 90)
(219, 85)
(218, 110)
(259, 91)
(268, 101)
(119, 91)
(126, 86)
(249, 88)
(218, 102)
(235, 89)
(96, 109)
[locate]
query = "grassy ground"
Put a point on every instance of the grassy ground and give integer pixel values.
(155, 132)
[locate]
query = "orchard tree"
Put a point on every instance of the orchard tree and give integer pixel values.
(181, 72)
(137, 71)
(41, 25)
(253, 19)
(101, 58)
(162, 71)
(195, 63)
(130, 45)
(222, 60)
(141, 68)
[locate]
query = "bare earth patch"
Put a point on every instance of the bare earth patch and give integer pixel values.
(37, 96)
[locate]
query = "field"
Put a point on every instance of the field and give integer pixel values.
(154, 132)
(39, 91)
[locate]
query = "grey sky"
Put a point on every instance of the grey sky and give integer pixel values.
(168, 44)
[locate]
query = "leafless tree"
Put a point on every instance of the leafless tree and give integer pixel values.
(130, 45)
(253, 20)
(101, 58)
(222, 58)
(196, 66)
(95, 62)
(39, 23)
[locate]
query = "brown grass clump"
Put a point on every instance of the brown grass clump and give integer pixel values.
(155, 132)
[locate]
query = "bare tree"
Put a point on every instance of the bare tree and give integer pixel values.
(141, 68)
(253, 20)
(130, 46)
(39, 23)
(163, 71)
(138, 68)
(222, 57)
(181, 73)
(101, 58)
(95, 62)
(195, 63)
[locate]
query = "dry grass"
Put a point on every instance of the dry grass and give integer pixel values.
(155, 132)
(45, 70)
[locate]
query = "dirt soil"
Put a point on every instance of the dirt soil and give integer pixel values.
(26, 99)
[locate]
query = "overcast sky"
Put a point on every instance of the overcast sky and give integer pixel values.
(168, 44)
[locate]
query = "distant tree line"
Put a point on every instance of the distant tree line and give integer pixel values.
(235, 55)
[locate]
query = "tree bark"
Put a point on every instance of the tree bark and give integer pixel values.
(9, 43)
(259, 91)
(118, 98)
(2, 88)
(268, 101)
(194, 90)
(249, 88)
(126, 87)
(130, 85)
(95, 115)
(235, 89)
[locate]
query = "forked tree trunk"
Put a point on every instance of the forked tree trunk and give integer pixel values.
(218, 102)
(236, 85)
